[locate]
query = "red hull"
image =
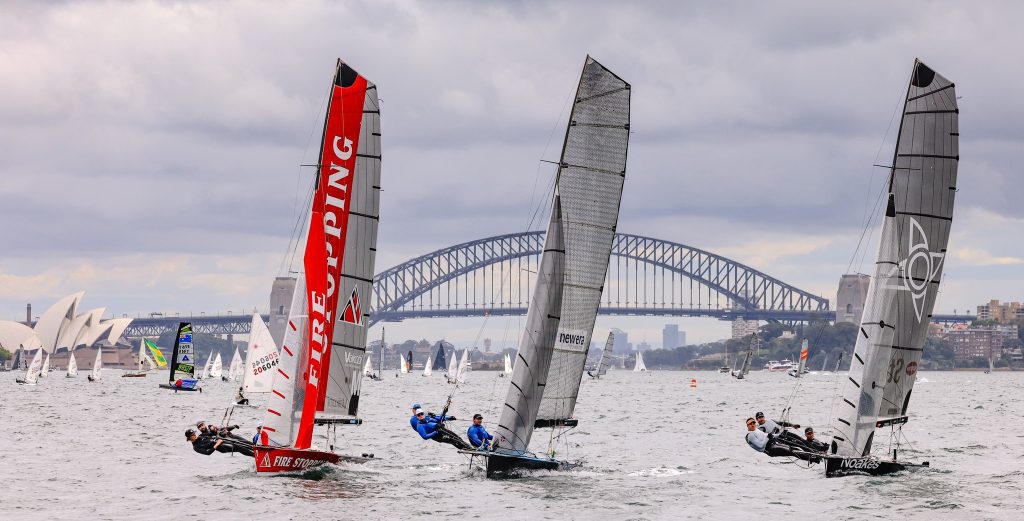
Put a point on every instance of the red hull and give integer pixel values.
(282, 459)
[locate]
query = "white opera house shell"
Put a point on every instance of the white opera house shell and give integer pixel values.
(62, 327)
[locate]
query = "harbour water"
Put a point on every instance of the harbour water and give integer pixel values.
(654, 448)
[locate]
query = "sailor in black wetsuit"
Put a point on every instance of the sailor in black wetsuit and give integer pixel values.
(207, 444)
(778, 430)
(812, 443)
(219, 432)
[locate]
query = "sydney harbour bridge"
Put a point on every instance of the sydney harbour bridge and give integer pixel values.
(495, 275)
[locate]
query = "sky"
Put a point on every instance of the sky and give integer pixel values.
(151, 151)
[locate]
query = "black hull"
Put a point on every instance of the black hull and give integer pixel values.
(838, 467)
(510, 466)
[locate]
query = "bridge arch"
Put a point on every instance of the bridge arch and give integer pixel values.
(399, 291)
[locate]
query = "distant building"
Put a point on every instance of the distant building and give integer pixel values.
(643, 346)
(973, 342)
(743, 328)
(622, 344)
(280, 304)
(1001, 313)
(853, 291)
(670, 336)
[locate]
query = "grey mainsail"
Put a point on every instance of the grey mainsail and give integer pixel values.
(901, 296)
(355, 284)
(590, 176)
(525, 391)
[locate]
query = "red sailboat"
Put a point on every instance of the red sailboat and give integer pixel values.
(320, 371)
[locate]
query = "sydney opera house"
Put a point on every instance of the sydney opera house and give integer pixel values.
(63, 331)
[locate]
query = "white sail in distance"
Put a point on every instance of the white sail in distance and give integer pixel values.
(261, 358)
(912, 250)
(591, 173)
(207, 366)
(34, 368)
(217, 369)
(453, 364)
(97, 364)
(368, 367)
(46, 366)
(426, 368)
(526, 388)
(464, 367)
(508, 364)
(640, 366)
(402, 364)
(235, 369)
(72, 365)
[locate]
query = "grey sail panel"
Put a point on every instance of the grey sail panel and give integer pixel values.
(901, 296)
(924, 187)
(348, 348)
(590, 179)
(606, 355)
(529, 376)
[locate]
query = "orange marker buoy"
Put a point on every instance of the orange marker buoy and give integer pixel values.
(693, 383)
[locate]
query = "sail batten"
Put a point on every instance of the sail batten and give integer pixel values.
(589, 184)
(912, 249)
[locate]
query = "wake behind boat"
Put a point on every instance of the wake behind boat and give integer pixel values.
(318, 377)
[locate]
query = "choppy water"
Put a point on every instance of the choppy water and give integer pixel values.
(654, 449)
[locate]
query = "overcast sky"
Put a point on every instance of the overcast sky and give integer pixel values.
(151, 151)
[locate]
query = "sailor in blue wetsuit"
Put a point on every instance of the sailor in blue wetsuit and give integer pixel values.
(478, 435)
(414, 421)
(433, 428)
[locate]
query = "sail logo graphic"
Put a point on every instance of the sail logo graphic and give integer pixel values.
(571, 339)
(266, 460)
(353, 314)
(920, 259)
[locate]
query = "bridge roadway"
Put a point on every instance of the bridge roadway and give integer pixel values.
(239, 324)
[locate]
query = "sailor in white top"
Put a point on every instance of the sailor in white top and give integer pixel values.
(757, 439)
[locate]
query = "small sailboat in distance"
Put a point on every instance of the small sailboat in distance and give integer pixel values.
(403, 366)
(34, 368)
(427, 370)
(72, 365)
(801, 368)
(217, 369)
(606, 357)
(235, 369)
(144, 360)
(507, 367)
(97, 366)
(640, 365)
(182, 370)
(902, 293)
(46, 366)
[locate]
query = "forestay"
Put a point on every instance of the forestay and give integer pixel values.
(527, 387)
(590, 176)
(901, 296)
